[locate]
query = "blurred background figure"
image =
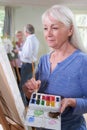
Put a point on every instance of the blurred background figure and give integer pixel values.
(18, 45)
(7, 45)
(28, 56)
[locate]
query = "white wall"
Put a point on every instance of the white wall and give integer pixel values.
(32, 15)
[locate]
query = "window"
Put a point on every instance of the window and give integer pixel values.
(2, 15)
(81, 20)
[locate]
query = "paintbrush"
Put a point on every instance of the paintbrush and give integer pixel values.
(33, 71)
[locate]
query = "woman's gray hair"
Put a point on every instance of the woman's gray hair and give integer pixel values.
(65, 15)
(29, 29)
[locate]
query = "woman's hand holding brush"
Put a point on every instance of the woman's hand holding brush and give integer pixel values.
(31, 86)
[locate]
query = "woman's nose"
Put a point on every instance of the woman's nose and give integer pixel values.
(49, 32)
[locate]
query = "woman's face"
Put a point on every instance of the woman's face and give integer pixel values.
(56, 33)
(19, 36)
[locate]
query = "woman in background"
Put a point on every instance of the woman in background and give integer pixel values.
(18, 45)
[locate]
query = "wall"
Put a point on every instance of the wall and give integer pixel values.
(31, 14)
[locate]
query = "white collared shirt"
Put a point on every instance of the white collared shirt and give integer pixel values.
(29, 51)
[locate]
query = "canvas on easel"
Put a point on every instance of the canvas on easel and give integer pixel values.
(10, 97)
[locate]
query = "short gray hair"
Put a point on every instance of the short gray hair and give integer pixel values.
(30, 29)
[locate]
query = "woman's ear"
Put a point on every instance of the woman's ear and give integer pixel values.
(70, 30)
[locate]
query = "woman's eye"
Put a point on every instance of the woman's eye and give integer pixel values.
(45, 28)
(55, 28)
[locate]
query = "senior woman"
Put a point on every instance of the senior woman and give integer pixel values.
(63, 71)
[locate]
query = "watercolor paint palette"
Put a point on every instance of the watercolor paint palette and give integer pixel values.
(40, 106)
(45, 102)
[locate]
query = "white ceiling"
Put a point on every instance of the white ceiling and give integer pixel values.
(76, 4)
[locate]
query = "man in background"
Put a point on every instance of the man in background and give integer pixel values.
(28, 56)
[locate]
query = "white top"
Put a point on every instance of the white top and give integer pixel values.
(18, 61)
(29, 51)
(8, 45)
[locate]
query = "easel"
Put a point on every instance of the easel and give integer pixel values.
(17, 73)
(10, 114)
(17, 70)
(8, 124)
(3, 120)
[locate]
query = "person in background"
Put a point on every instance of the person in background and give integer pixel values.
(18, 45)
(63, 71)
(28, 56)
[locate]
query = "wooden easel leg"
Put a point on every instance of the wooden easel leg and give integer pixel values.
(17, 71)
(3, 120)
(33, 128)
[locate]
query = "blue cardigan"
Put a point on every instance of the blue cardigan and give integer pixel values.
(69, 80)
